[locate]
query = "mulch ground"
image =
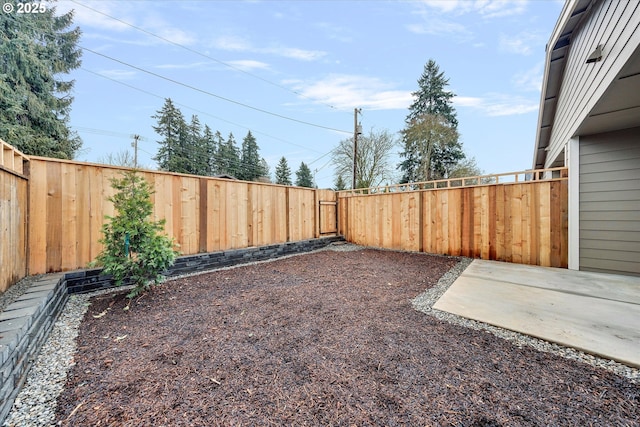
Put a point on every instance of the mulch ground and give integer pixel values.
(328, 338)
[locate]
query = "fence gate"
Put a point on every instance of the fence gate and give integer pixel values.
(328, 216)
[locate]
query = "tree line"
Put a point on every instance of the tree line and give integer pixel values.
(190, 147)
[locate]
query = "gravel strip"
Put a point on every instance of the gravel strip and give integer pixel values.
(36, 403)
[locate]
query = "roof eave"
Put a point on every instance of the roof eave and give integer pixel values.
(558, 45)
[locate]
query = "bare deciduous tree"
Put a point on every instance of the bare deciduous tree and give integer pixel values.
(121, 158)
(373, 159)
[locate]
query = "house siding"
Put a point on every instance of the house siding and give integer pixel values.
(610, 202)
(614, 24)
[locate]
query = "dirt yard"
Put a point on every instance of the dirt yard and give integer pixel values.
(328, 338)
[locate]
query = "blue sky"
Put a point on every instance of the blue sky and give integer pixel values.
(307, 65)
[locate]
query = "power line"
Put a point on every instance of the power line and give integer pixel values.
(199, 111)
(324, 155)
(107, 132)
(213, 94)
(123, 135)
(199, 53)
(238, 164)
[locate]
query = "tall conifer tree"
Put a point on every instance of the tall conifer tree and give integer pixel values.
(250, 167)
(430, 138)
(217, 163)
(210, 147)
(172, 128)
(196, 148)
(229, 157)
(283, 172)
(303, 176)
(36, 50)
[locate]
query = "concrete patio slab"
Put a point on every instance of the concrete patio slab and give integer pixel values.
(593, 312)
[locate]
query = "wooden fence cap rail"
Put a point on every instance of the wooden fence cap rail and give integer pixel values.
(11, 158)
(559, 173)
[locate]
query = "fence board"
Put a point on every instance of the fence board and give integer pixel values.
(37, 245)
(54, 217)
(524, 222)
(302, 218)
(83, 221)
(13, 210)
(68, 197)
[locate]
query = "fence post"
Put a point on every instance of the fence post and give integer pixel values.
(287, 213)
(316, 213)
(203, 220)
(420, 221)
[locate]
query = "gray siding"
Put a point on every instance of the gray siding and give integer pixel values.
(613, 24)
(610, 202)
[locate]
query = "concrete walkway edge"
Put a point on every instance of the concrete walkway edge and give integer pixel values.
(592, 312)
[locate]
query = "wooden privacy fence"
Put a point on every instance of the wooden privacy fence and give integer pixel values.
(52, 212)
(519, 222)
(69, 202)
(13, 215)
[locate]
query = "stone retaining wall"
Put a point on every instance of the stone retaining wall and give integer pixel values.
(24, 327)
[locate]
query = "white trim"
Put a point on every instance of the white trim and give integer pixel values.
(572, 156)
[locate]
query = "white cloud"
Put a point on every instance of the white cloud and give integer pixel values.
(232, 43)
(293, 53)
(249, 64)
(531, 79)
(522, 43)
(176, 35)
(118, 74)
(485, 8)
(240, 44)
(346, 92)
(439, 16)
(121, 17)
(437, 26)
(497, 104)
(183, 66)
(335, 32)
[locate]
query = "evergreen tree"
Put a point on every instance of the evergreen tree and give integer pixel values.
(171, 126)
(210, 148)
(182, 163)
(196, 149)
(35, 101)
(303, 176)
(217, 163)
(283, 172)
(250, 168)
(434, 149)
(339, 185)
(229, 157)
(430, 138)
(135, 247)
(431, 97)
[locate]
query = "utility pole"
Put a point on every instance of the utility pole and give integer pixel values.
(134, 144)
(357, 130)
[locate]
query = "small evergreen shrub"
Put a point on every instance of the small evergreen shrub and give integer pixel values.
(134, 246)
